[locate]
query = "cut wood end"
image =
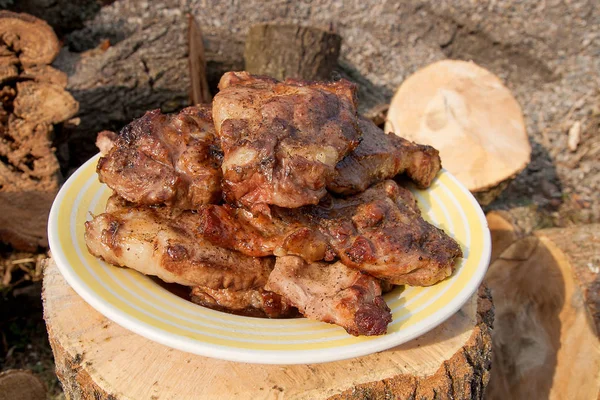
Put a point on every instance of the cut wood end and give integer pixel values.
(21, 384)
(452, 360)
(545, 342)
(503, 233)
(466, 113)
(31, 38)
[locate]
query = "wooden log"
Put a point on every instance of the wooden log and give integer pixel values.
(291, 51)
(22, 385)
(474, 121)
(309, 53)
(146, 70)
(96, 358)
(31, 40)
(31, 104)
(546, 293)
(199, 91)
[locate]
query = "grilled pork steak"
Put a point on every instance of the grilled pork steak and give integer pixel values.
(176, 160)
(282, 140)
(164, 243)
(381, 156)
(262, 234)
(272, 153)
(332, 293)
(164, 159)
(249, 302)
(379, 231)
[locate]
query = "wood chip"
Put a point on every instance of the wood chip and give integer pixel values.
(574, 136)
(199, 91)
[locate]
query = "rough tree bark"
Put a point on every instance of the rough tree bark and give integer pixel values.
(145, 71)
(292, 51)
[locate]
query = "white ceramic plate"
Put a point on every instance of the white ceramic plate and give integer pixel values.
(139, 304)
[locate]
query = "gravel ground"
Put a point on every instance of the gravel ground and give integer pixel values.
(547, 53)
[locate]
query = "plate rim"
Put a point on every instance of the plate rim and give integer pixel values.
(261, 356)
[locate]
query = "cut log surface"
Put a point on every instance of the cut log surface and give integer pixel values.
(292, 51)
(19, 384)
(98, 359)
(546, 295)
(471, 117)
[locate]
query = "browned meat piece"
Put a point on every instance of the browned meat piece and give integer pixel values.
(282, 140)
(332, 293)
(379, 231)
(262, 234)
(155, 242)
(382, 156)
(165, 159)
(105, 141)
(250, 302)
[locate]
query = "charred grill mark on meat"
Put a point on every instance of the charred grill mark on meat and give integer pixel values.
(163, 243)
(248, 302)
(382, 156)
(282, 140)
(332, 293)
(261, 234)
(164, 159)
(379, 231)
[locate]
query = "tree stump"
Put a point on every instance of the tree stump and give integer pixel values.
(22, 385)
(291, 51)
(96, 358)
(546, 290)
(453, 102)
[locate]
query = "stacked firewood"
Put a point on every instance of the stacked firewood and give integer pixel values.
(33, 102)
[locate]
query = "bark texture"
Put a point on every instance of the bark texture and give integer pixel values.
(292, 51)
(147, 70)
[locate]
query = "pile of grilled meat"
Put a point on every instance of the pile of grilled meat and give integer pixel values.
(276, 199)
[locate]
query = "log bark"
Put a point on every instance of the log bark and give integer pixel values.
(147, 70)
(199, 91)
(545, 336)
(291, 51)
(97, 359)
